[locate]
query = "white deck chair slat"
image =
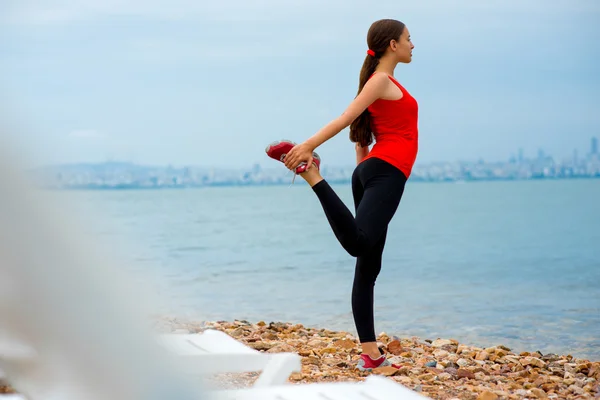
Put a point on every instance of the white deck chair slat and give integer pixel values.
(373, 388)
(209, 341)
(214, 352)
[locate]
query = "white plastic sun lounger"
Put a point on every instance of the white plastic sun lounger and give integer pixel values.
(213, 352)
(206, 353)
(374, 387)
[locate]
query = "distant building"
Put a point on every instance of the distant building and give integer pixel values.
(594, 145)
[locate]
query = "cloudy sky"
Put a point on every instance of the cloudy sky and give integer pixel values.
(212, 83)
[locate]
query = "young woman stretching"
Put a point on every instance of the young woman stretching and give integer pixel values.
(385, 110)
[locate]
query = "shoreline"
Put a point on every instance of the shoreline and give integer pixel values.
(441, 368)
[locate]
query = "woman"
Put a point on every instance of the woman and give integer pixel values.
(385, 110)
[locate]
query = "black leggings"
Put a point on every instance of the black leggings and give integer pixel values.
(377, 188)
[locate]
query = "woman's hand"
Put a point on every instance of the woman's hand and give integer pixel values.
(361, 152)
(302, 152)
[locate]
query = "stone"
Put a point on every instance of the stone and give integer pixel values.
(536, 362)
(441, 342)
(317, 343)
(395, 347)
(464, 373)
(539, 393)
(345, 344)
(386, 371)
(445, 376)
(461, 362)
(261, 346)
(487, 396)
(452, 365)
(269, 336)
(440, 354)
(282, 348)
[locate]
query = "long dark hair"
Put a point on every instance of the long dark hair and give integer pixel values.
(380, 34)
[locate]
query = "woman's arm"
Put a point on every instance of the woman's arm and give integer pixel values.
(361, 152)
(373, 90)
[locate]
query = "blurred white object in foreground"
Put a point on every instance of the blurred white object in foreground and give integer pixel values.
(67, 299)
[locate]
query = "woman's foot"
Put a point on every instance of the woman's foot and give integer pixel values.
(366, 363)
(278, 150)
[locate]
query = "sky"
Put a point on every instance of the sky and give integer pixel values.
(185, 82)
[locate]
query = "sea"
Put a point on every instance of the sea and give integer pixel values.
(515, 263)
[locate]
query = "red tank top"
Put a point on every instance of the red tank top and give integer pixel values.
(395, 126)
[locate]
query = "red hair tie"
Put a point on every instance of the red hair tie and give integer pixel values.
(371, 53)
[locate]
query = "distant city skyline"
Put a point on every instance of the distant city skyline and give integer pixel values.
(518, 155)
(129, 176)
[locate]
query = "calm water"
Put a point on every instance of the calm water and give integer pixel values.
(514, 263)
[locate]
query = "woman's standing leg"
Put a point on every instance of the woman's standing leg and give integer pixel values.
(363, 289)
(366, 271)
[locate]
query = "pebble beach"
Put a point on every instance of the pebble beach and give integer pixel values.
(438, 368)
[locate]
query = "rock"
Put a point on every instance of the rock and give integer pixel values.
(327, 350)
(441, 342)
(500, 352)
(282, 348)
(440, 354)
(465, 373)
(386, 371)
(345, 344)
(512, 359)
(317, 343)
(487, 396)
(576, 390)
(445, 376)
(269, 336)
(452, 365)
(482, 356)
(539, 393)
(462, 349)
(431, 364)
(261, 346)
(395, 348)
(403, 380)
(550, 357)
(536, 362)
(278, 326)
(462, 362)
(583, 368)
(426, 377)
(305, 352)
(394, 360)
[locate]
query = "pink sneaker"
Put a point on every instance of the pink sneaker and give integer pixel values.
(278, 150)
(366, 363)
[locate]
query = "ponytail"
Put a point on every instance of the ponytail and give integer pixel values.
(360, 128)
(378, 40)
